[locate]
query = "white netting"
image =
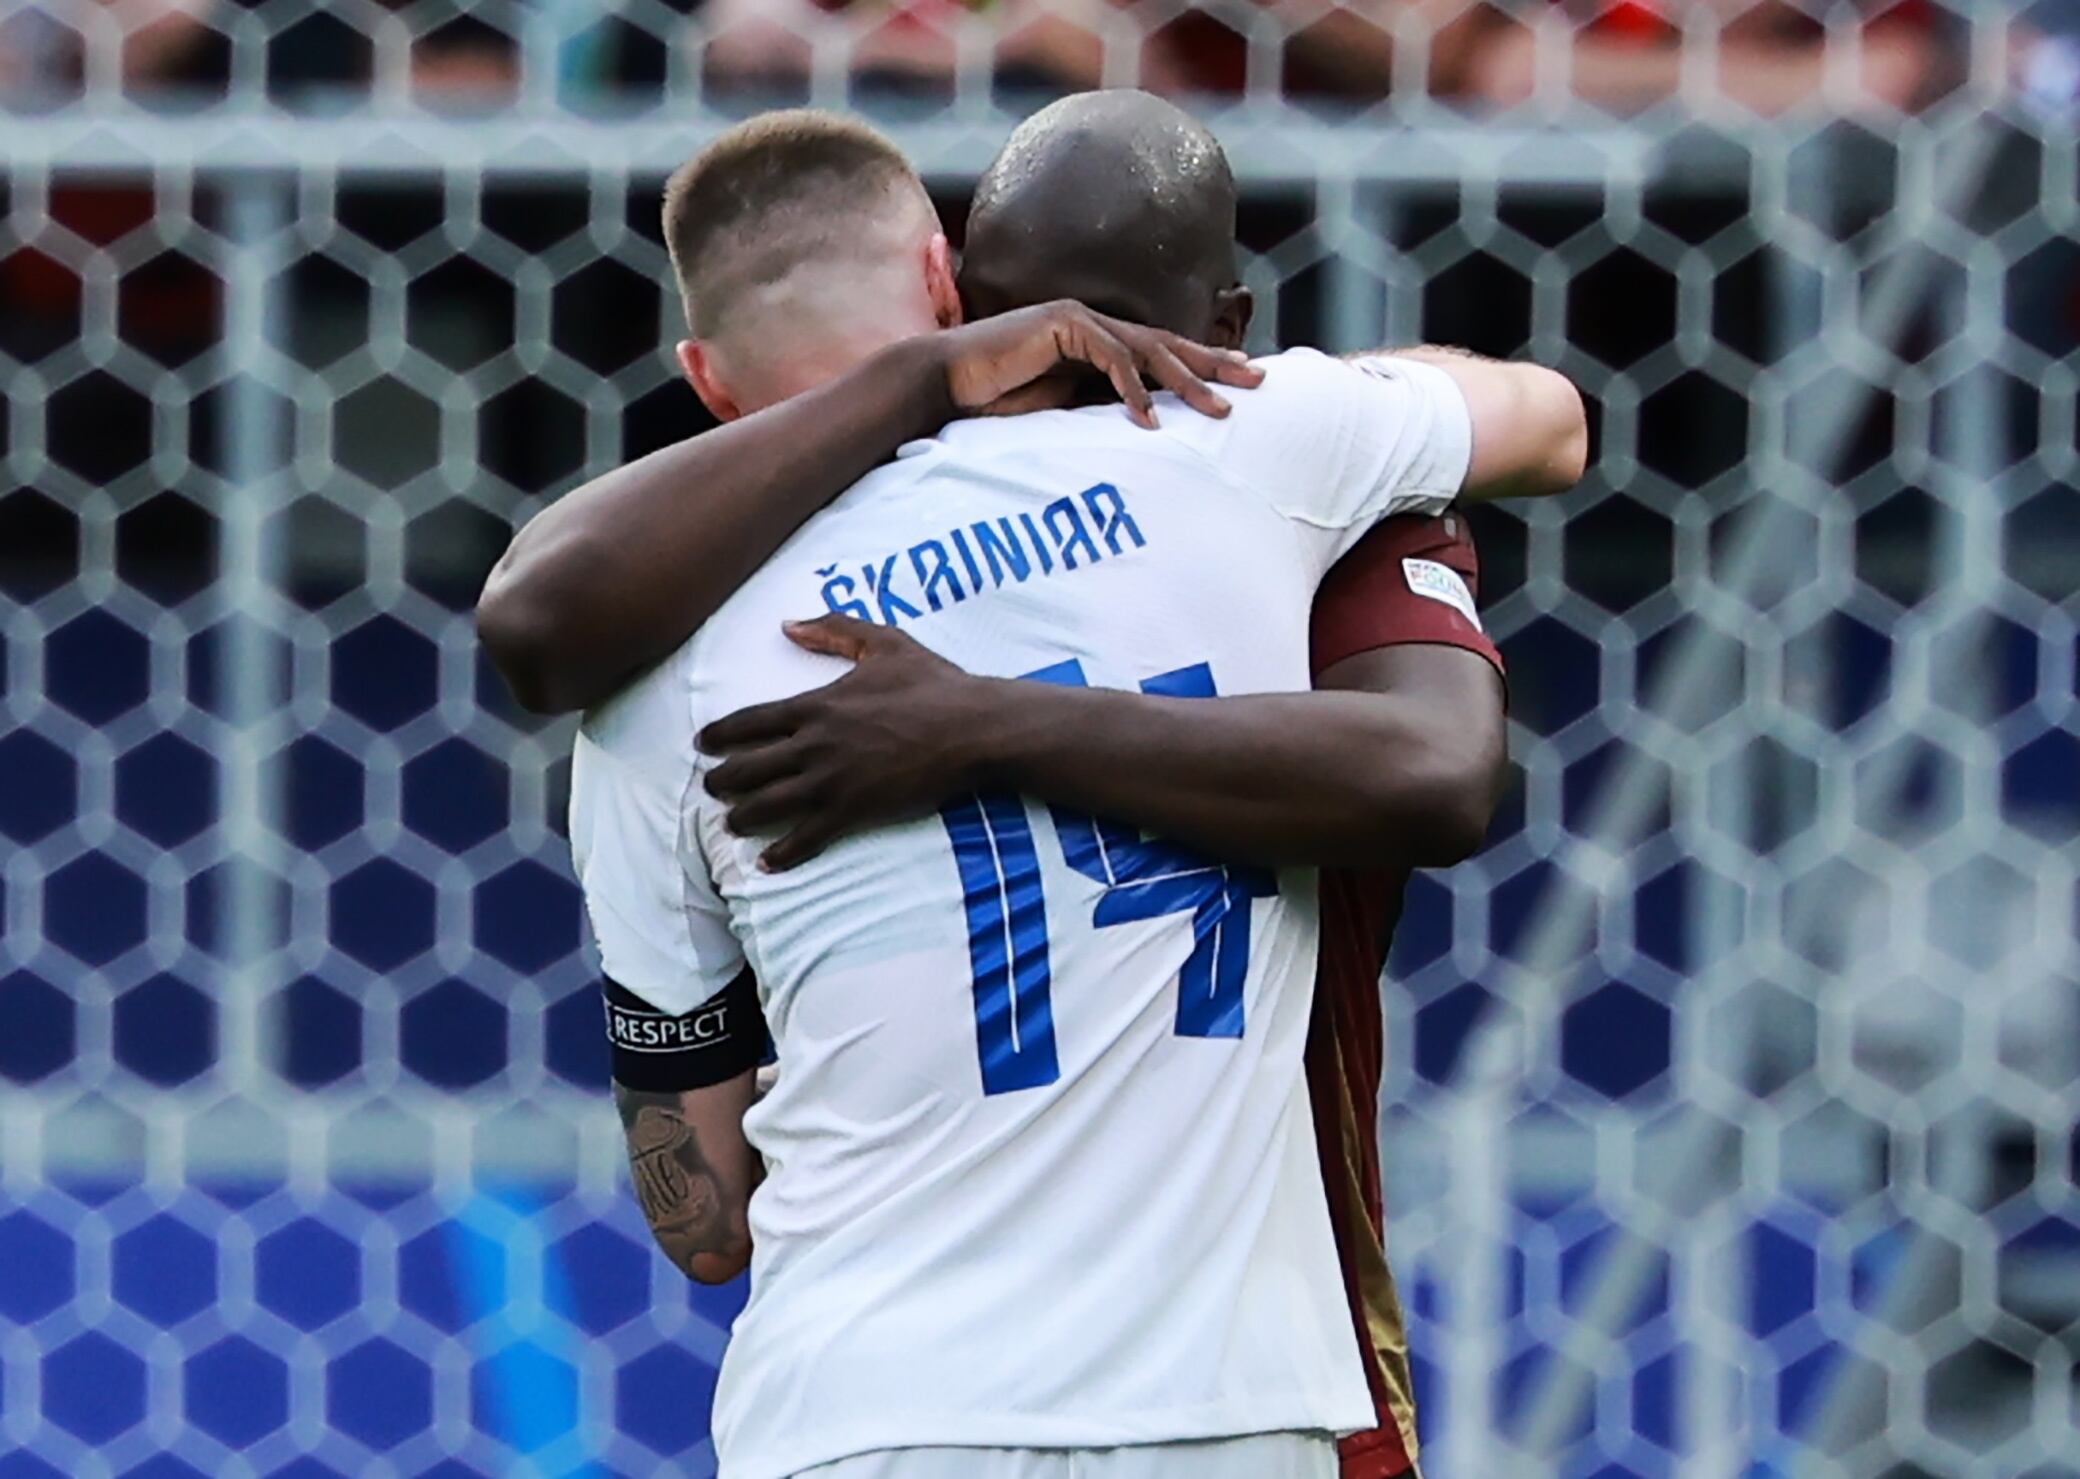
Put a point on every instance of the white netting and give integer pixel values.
(1731, 1092)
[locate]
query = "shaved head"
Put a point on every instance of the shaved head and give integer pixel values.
(1116, 198)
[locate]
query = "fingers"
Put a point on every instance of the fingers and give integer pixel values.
(1126, 353)
(1109, 353)
(767, 808)
(1189, 370)
(1171, 373)
(756, 724)
(833, 635)
(840, 636)
(1015, 366)
(803, 843)
(747, 770)
(1225, 366)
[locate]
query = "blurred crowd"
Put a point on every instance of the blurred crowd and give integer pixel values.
(1768, 56)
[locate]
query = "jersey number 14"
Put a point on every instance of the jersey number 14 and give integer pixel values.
(1142, 879)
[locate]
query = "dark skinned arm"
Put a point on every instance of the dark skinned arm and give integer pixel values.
(617, 573)
(1398, 761)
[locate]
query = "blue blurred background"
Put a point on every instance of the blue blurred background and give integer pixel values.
(1731, 1106)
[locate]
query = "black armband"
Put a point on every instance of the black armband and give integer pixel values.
(719, 1039)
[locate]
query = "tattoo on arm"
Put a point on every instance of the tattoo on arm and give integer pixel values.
(692, 1206)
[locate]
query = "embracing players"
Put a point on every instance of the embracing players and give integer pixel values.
(1042, 1175)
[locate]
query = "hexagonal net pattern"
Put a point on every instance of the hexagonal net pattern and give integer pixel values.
(1731, 1100)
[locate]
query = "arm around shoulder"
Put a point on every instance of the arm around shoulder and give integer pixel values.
(1530, 426)
(531, 616)
(616, 573)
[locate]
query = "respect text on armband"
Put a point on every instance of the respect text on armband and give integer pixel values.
(653, 1032)
(1074, 531)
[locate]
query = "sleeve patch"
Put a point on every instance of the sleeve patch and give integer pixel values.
(1441, 583)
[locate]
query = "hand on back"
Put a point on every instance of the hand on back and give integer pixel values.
(889, 740)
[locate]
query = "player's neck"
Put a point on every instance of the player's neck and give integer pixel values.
(826, 360)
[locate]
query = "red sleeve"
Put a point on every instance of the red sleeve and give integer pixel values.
(1413, 579)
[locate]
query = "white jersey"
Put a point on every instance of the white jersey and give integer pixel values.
(1041, 1167)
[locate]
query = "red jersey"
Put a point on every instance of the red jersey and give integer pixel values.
(1413, 579)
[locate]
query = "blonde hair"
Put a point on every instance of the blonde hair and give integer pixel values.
(773, 194)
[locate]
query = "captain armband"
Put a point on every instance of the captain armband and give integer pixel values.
(722, 1037)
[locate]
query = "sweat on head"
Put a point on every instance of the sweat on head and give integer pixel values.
(1120, 200)
(804, 241)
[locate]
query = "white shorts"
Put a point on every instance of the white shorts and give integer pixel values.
(1258, 1456)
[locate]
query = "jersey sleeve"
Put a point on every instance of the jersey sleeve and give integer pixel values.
(1414, 579)
(663, 930)
(1338, 445)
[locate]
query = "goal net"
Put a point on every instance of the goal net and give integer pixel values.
(1731, 1104)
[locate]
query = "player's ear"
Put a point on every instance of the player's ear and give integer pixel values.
(1232, 308)
(697, 364)
(941, 283)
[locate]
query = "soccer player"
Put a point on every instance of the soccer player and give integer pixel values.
(1300, 459)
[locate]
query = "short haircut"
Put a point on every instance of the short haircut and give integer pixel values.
(771, 194)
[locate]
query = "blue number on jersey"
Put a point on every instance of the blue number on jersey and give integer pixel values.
(1147, 879)
(1007, 941)
(1143, 879)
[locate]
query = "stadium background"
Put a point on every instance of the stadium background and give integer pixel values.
(1732, 1098)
